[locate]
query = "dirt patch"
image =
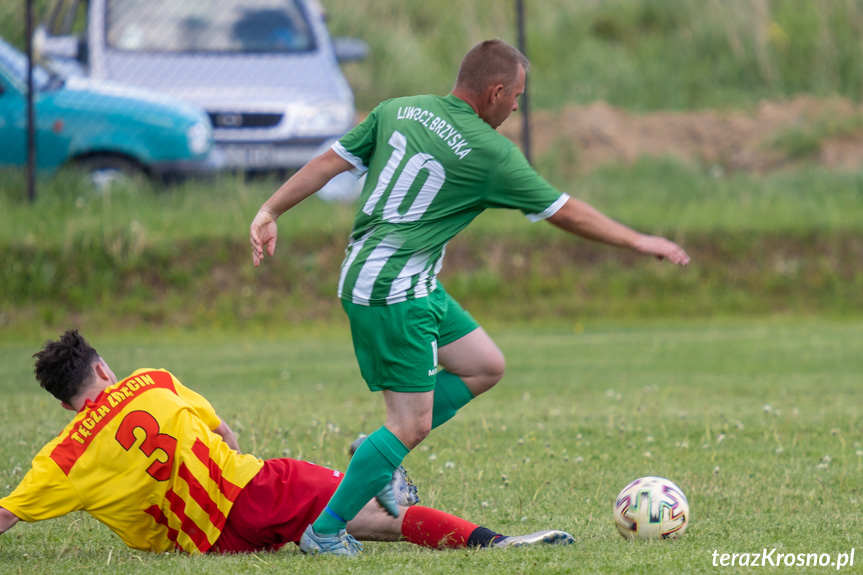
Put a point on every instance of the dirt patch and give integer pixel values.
(828, 133)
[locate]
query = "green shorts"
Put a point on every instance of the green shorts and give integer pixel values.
(396, 345)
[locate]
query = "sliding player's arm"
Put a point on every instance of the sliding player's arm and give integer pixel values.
(228, 436)
(204, 410)
(7, 520)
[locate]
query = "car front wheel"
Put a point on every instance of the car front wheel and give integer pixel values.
(105, 170)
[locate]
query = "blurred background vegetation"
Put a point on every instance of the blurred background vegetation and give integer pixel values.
(638, 54)
(784, 242)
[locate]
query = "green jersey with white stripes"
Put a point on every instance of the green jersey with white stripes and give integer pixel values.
(433, 165)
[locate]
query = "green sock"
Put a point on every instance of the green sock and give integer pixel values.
(370, 469)
(450, 395)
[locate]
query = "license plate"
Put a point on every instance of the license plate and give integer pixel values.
(265, 156)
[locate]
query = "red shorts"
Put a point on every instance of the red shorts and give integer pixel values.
(277, 505)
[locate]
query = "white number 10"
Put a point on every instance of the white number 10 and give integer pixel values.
(410, 172)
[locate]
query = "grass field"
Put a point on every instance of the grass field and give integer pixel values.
(785, 243)
(758, 421)
(738, 377)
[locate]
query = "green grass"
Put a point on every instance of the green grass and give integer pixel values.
(140, 215)
(804, 138)
(784, 243)
(639, 54)
(663, 195)
(667, 196)
(742, 415)
(739, 385)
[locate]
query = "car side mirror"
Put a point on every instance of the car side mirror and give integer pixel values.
(350, 49)
(48, 46)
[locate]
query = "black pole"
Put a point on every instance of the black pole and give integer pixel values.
(31, 114)
(525, 108)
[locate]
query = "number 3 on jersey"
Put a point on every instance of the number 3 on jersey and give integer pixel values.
(399, 207)
(153, 441)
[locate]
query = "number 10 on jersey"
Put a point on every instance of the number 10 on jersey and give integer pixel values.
(400, 207)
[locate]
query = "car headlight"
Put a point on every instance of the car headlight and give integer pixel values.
(198, 137)
(327, 118)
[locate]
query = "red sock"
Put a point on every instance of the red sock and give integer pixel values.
(429, 527)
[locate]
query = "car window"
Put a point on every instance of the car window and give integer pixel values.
(66, 17)
(208, 26)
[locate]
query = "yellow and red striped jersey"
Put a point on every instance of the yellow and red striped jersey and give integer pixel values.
(142, 459)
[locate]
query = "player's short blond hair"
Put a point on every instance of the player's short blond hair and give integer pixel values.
(489, 63)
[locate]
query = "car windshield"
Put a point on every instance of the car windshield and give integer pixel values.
(208, 26)
(16, 63)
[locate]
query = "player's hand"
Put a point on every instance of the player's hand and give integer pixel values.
(662, 249)
(262, 235)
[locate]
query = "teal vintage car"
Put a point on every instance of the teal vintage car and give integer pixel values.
(107, 129)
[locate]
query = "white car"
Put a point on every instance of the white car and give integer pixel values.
(265, 71)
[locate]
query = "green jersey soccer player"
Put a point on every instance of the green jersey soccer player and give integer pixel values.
(433, 164)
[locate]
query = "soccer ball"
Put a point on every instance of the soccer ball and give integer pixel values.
(651, 508)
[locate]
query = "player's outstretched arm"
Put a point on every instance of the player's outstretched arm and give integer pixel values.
(311, 178)
(587, 222)
(7, 520)
(228, 436)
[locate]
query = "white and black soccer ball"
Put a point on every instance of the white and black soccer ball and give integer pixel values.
(651, 508)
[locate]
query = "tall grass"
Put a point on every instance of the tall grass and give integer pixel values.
(663, 195)
(640, 54)
(785, 243)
